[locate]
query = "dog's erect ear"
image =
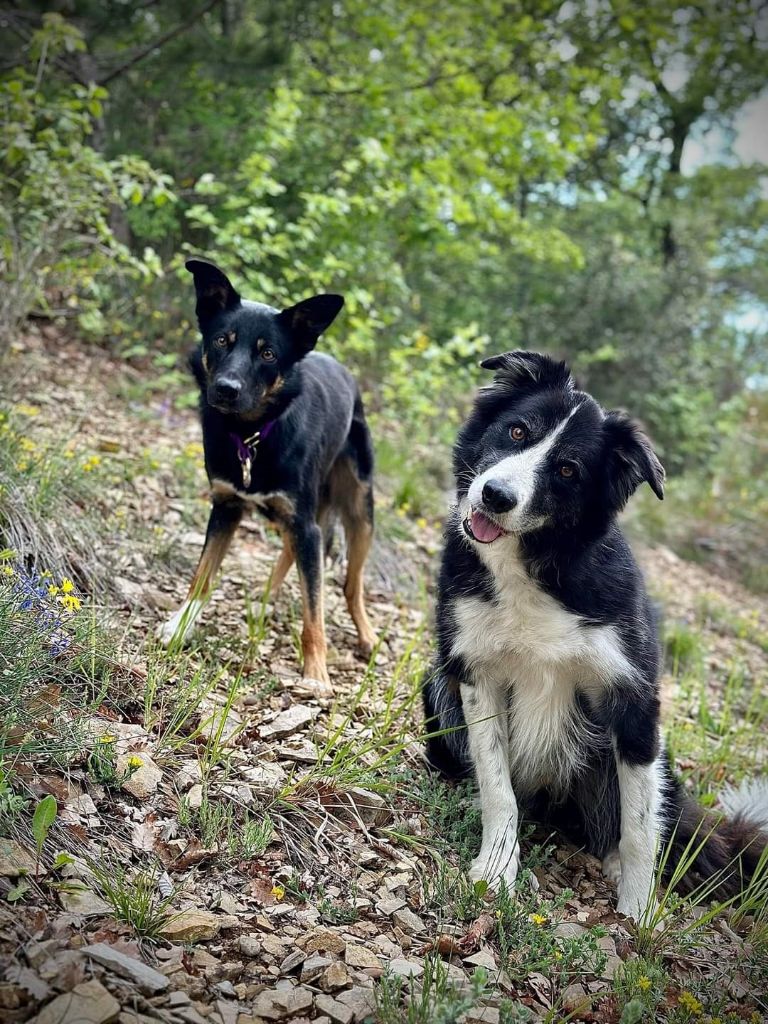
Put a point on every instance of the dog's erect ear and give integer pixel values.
(632, 460)
(309, 318)
(214, 290)
(528, 370)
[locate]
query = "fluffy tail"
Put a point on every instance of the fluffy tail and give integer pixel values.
(446, 747)
(729, 850)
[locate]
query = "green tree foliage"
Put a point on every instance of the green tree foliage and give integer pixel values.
(58, 193)
(472, 177)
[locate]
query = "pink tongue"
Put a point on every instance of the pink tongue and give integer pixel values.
(483, 529)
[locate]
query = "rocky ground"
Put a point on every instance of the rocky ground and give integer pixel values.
(234, 845)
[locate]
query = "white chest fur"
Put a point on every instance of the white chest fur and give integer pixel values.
(528, 644)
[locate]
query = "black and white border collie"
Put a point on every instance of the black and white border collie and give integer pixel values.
(547, 674)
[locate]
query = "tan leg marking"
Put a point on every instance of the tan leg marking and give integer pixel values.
(359, 537)
(313, 643)
(283, 565)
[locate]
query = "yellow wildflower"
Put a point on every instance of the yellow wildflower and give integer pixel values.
(26, 445)
(22, 465)
(107, 738)
(53, 590)
(67, 586)
(643, 983)
(278, 891)
(193, 449)
(690, 1003)
(421, 522)
(538, 919)
(91, 463)
(69, 454)
(8, 570)
(134, 761)
(28, 410)
(71, 603)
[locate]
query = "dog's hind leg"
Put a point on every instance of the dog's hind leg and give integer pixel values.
(283, 565)
(352, 495)
(222, 523)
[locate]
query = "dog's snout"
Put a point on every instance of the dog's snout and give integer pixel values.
(498, 496)
(227, 389)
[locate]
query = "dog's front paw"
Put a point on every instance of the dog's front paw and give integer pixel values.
(177, 629)
(640, 907)
(499, 864)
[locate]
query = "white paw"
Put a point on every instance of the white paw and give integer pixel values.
(501, 863)
(640, 907)
(612, 866)
(178, 628)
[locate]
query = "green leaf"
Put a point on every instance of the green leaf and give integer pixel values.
(42, 819)
(18, 890)
(61, 860)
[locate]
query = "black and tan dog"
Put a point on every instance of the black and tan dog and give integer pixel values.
(284, 432)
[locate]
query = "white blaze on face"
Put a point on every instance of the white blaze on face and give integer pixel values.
(519, 472)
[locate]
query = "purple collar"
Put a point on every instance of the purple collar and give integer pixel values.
(246, 449)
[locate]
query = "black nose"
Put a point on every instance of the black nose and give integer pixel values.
(227, 390)
(498, 496)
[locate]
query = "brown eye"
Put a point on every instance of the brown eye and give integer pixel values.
(268, 355)
(517, 433)
(220, 342)
(566, 471)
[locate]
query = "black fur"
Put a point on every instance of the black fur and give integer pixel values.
(257, 373)
(577, 554)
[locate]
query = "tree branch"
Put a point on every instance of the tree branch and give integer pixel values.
(161, 40)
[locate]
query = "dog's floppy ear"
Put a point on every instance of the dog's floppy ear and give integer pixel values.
(309, 318)
(632, 460)
(527, 370)
(213, 288)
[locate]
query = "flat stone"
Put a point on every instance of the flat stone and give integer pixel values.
(408, 921)
(15, 860)
(313, 967)
(608, 946)
(360, 956)
(371, 807)
(575, 998)
(229, 904)
(482, 959)
(405, 968)
(569, 930)
(334, 977)
(192, 926)
(267, 775)
(195, 797)
(225, 729)
(325, 939)
(142, 781)
(480, 1014)
(146, 978)
(288, 722)
(189, 773)
(83, 901)
(292, 961)
(336, 1010)
(389, 905)
(281, 1002)
(87, 1003)
(360, 1000)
